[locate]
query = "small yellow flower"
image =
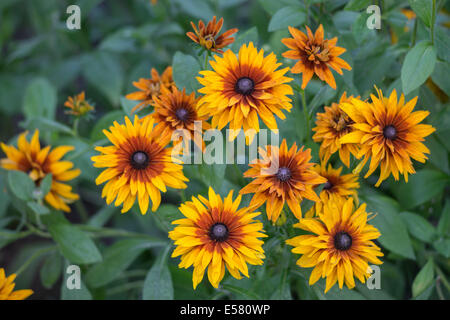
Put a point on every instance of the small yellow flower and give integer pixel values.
(175, 110)
(241, 89)
(37, 163)
(337, 185)
(7, 288)
(282, 176)
(78, 105)
(216, 235)
(314, 55)
(139, 165)
(150, 88)
(330, 127)
(340, 245)
(207, 36)
(387, 132)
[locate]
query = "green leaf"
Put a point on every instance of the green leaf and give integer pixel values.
(242, 292)
(423, 9)
(127, 105)
(73, 294)
(359, 28)
(46, 185)
(37, 208)
(40, 99)
(158, 282)
(21, 185)
(74, 244)
(116, 259)
(251, 35)
(104, 72)
(165, 214)
(102, 216)
(51, 270)
(287, 16)
(105, 122)
(423, 279)
(443, 247)
(442, 42)
(185, 70)
(438, 153)
(440, 76)
(418, 226)
(421, 187)
(357, 5)
(394, 234)
(444, 222)
(418, 66)
(45, 125)
(196, 8)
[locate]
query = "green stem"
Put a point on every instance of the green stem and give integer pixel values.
(82, 211)
(439, 289)
(75, 126)
(413, 41)
(442, 276)
(305, 113)
(206, 59)
(433, 18)
(37, 254)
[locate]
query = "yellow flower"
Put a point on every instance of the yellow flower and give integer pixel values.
(139, 164)
(150, 88)
(315, 55)
(387, 132)
(337, 186)
(216, 235)
(330, 127)
(340, 246)
(78, 105)
(7, 286)
(206, 36)
(176, 110)
(37, 163)
(280, 176)
(239, 89)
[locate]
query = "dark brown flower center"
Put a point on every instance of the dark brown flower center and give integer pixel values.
(140, 160)
(244, 86)
(390, 132)
(218, 232)
(284, 174)
(182, 114)
(327, 185)
(342, 241)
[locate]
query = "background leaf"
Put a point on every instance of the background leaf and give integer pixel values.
(418, 66)
(74, 244)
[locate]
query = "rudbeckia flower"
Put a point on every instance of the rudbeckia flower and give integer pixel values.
(139, 164)
(150, 88)
(78, 105)
(315, 55)
(7, 288)
(176, 110)
(241, 89)
(207, 36)
(387, 132)
(337, 186)
(38, 162)
(331, 125)
(340, 245)
(217, 235)
(280, 176)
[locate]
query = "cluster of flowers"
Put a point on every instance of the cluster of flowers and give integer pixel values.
(238, 91)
